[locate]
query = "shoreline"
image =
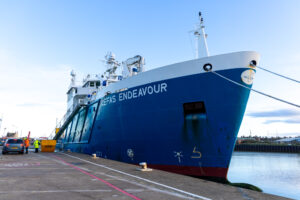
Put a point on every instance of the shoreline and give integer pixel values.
(279, 148)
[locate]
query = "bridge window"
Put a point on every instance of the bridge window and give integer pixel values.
(68, 129)
(80, 124)
(72, 133)
(87, 128)
(63, 135)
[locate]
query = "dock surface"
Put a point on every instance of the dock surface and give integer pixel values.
(73, 176)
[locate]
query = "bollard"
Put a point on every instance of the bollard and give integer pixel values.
(94, 156)
(144, 167)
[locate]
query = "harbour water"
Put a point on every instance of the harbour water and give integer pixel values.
(274, 173)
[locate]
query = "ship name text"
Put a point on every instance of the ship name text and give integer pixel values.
(135, 93)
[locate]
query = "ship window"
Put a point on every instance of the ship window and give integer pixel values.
(92, 84)
(80, 125)
(68, 132)
(62, 137)
(70, 96)
(194, 108)
(88, 125)
(98, 83)
(73, 129)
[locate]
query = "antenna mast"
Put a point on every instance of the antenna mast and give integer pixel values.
(73, 78)
(201, 45)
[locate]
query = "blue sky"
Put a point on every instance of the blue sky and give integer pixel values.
(41, 41)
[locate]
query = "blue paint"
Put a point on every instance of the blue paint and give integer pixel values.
(154, 126)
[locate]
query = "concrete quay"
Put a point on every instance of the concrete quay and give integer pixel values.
(73, 176)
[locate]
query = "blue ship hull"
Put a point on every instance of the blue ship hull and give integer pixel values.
(159, 130)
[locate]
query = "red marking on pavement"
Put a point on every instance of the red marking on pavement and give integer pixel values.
(91, 175)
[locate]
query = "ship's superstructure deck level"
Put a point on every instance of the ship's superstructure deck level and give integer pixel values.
(78, 176)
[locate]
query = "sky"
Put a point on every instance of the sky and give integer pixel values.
(42, 41)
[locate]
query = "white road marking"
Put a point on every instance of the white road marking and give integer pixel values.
(176, 194)
(19, 164)
(137, 177)
(51, 191)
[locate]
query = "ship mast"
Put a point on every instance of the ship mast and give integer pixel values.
(73, 78)
(201, 45)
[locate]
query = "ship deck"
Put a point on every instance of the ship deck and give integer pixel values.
(66, 175)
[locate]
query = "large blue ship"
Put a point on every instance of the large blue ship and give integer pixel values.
(182, 118)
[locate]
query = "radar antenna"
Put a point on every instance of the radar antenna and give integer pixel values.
(111, 63)
(111, 75)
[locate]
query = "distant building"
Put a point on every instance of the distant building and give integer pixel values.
(12, 135)
(245, 140)
(288, 140)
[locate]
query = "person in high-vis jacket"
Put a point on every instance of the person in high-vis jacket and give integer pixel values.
(26, 141)
(36, 146)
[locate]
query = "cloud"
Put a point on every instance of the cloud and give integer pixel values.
(291, 134)
(288, 121)
(275, 113)
(286, 116)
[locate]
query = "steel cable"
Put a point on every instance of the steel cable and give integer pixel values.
(262, 93)
(291, 79)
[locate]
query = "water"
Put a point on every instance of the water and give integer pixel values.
(274, 173)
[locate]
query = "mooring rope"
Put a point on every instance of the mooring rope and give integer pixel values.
(280, 75)
(262, 93)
